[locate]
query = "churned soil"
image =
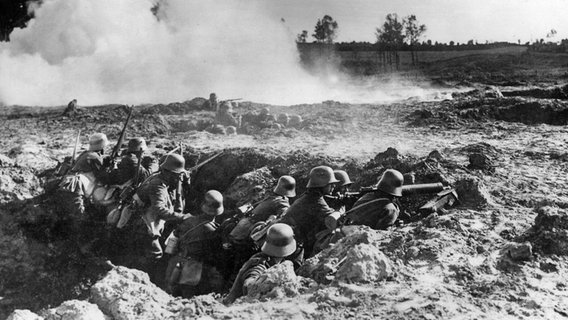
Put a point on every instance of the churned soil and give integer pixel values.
(492, 256)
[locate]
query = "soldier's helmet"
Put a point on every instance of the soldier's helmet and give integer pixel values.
(174, 163)
(391, 183)
(230, 130)
(280, 241)
(137, 144)
(264, 111)
(283, 119)
(286, 186)
(343, 178)
(213, 203)
(97, 142)
(321, 176)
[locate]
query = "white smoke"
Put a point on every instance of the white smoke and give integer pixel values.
(108, 51)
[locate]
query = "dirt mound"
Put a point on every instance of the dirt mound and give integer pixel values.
(354, 258)
(549, 234)
(557, 92)
(278, 282)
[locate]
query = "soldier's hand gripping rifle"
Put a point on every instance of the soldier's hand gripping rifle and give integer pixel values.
(116, 150)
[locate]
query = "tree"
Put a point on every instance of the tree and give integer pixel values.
(390, 38)
(413, 31)
(325, 30)
(302, 37)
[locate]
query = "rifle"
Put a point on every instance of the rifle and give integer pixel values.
(68, 164)
(116, 149)
(230, 100)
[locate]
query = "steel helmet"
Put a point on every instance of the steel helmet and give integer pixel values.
(283, 118)
(213, 203)
(174, 163)
(264, 111)
(286, 186)
(321, 176)
(137, 144)
(343, 178)
(97, 142)
(279, 241)
(391, 183)
(231, 130)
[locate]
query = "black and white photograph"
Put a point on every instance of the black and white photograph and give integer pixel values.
(283, 159)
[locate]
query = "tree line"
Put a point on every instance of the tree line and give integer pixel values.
(393, 36)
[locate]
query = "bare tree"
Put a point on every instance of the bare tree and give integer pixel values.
(325, 30)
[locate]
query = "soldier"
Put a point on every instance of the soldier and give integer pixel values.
(194, 268)
(279, 246)
(276, 203)
(295, 121)
(269, 210)
(224, 116)
(76, 189)
(212, 103)
(283, 119)
(337, 201)
(307, 215)
(379, 209)
(71, 108)
(89, 170)
(128, 165)
(158, 200)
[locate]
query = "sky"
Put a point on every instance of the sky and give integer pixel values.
(109, 51)
(446, 20)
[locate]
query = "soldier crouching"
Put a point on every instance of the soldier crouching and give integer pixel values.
(193, 270)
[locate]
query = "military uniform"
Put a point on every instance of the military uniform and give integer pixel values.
(272, 205)
(199, 248)
(375, 211)
(75, 188)
(307, 217)
(126, 170)
(157, 204)
(226, 119)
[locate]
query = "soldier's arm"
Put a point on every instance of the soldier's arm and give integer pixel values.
(388, 216)
(252, 274)
(160, 199)
(99, 170)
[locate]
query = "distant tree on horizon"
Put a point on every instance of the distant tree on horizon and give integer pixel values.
(390, 38)
(302, 37)
(413, 31)
(325, 30)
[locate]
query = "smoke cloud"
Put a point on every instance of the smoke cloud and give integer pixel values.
(108, 51)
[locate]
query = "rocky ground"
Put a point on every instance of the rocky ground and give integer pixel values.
(500, 254)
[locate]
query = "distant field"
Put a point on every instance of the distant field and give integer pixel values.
(427, 56)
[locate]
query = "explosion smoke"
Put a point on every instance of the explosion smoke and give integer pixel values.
(107, 51)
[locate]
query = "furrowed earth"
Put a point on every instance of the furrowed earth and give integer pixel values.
(500, 253)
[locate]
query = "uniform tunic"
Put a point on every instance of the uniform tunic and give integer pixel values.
(375, 211)
(307, 217)
(273, 205)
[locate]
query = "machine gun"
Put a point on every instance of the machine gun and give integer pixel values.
(116, 150)
(445, 195)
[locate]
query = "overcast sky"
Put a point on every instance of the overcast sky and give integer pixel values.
(446, 20)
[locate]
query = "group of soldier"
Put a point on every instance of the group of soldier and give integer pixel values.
(227, 121)
(203, 254)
